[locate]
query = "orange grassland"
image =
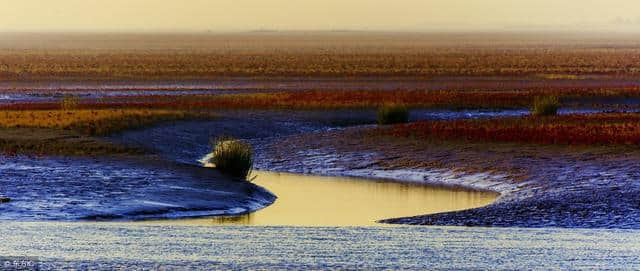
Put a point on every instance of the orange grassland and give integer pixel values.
(314, 54)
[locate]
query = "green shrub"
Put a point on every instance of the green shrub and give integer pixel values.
(545, 106)
(233, 157)
(393, 114)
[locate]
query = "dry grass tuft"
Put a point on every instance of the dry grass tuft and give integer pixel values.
(545, 106)
(233, 157)
(393, 114)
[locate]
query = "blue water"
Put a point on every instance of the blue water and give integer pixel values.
(130, 246)
(57, 95)
(423, 114)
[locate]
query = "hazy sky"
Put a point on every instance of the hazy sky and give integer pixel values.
(233, 15)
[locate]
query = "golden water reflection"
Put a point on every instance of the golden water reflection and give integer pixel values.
(305, 200)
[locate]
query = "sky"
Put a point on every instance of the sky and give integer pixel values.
(389, 15)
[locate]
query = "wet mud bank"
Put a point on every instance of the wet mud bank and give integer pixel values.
(133, 188)
(541, 186)
(164, 181)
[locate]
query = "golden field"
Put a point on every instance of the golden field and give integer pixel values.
(309, 70)
(349, 54)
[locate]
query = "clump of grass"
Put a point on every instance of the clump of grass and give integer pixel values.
(233, 157)
(69, 103)
(545, 106)
(393, 114)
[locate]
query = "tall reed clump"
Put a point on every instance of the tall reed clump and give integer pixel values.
(233, 157)
(391, 114)
(545, 106)
(69, 102)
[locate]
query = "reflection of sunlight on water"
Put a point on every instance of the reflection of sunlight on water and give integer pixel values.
(126, 246)
(337, 201)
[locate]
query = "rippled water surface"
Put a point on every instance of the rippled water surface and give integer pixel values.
(128, 246)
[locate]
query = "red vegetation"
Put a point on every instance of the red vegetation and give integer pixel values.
(566, 129)
(341, 99)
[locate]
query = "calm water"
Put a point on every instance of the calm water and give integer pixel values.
(305, 200)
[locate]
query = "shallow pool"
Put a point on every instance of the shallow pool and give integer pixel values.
(305, 200)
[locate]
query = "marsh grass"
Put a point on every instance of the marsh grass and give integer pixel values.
(68, 132)
(233, 157)
(93, 122)
(545, 106)
(39, 142)
(310, 55)
(392, 114)
(573, 129)
(357, 99)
